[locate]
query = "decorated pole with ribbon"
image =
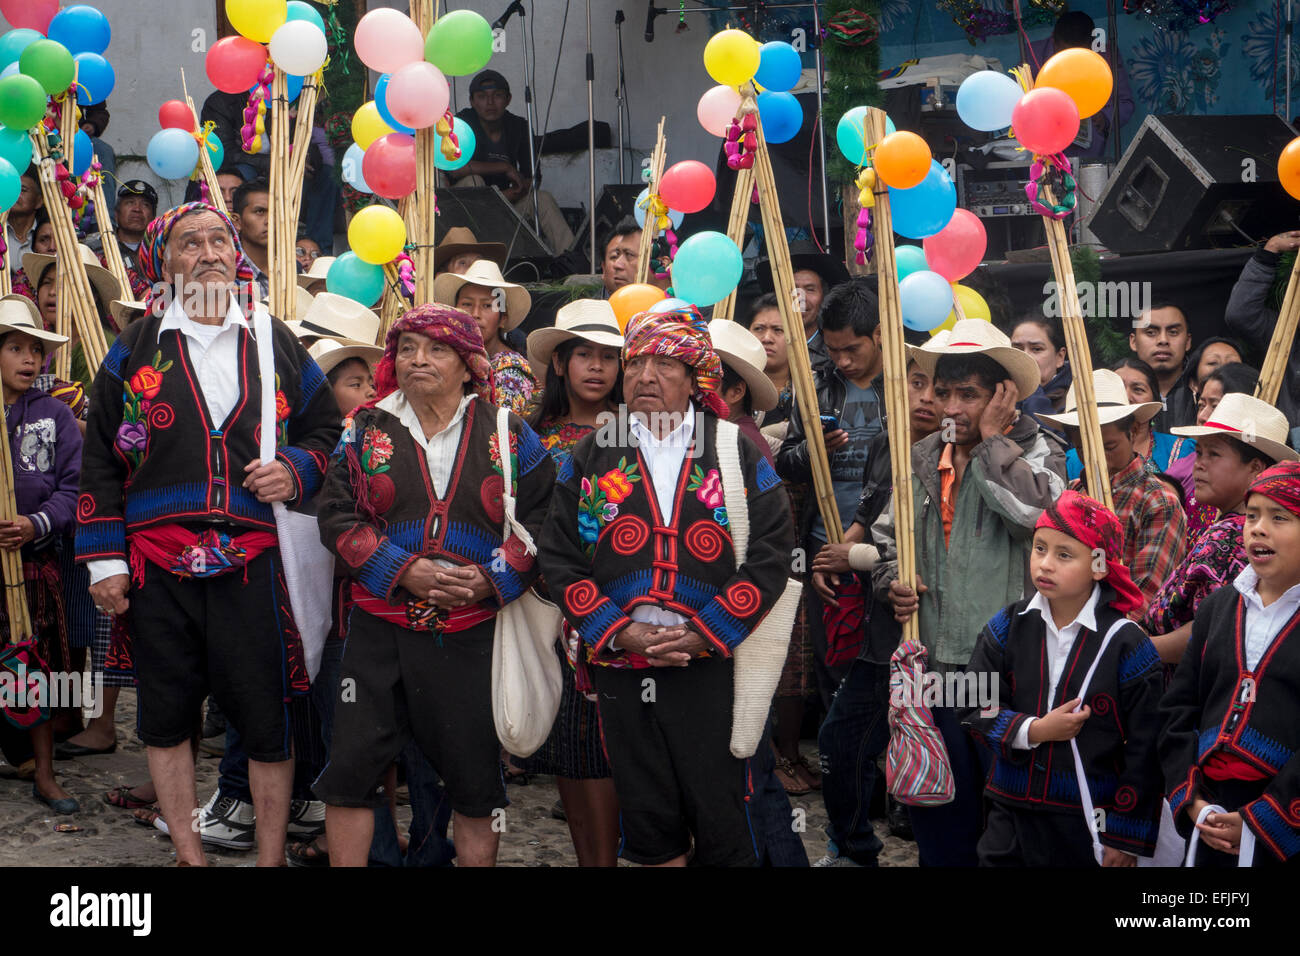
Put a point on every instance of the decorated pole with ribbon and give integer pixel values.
(420, 220)
(215, 198)
(281, 262)
(11, 561)
(657, 160)
(742, 127)
(6, 280)
(107, 234)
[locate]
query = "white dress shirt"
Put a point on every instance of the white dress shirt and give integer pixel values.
(1057, 644)
(1263, 623)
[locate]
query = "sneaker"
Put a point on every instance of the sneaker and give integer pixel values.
(829, 860)
(228, 822)
(306, 819)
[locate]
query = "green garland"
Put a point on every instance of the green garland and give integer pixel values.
(1108, 344)
(851, 71)
(345, 75)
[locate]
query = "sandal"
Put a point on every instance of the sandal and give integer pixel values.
(516, 776)
(307, 854)
(789, 777)
(151, 817)
(807, 772)
(121, 798)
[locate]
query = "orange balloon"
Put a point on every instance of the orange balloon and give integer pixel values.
(634, 298)
(1288, 168)
(902, 160)
(1082, 74)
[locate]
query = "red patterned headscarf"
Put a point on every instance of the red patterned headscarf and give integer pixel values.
(442, 323)
(1096, 527)
(153, 246)
(681, 335)
(1281, 483)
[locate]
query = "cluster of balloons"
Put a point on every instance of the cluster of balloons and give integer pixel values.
(290, 33)
(173, 152)
(377, 236)
(733, 58)
(928, 275)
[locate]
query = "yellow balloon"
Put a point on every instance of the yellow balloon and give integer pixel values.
(731, 57)
(377, 234)
(368, 125)
(972, 304)
(257, 19)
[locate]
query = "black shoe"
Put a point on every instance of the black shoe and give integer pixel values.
(67, 751)
(214, 723)
(900, 824)
(64, 806)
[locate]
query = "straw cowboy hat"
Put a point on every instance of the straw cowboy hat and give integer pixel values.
(926, 355)
(487, 273)
(330, 353)
(337, 317)
(976, 336)
(1111, 399)
(103, 281)
(320, 268)
(18, 314)
(740, 348)
(302, 299)
(458, 240)
(1250, 420)
(592, 320)
(126, 311)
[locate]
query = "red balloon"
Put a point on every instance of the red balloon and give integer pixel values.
(687, 186)
(176, 115)
(1046, 120)
(388, 167)
(958, 248)
(234, 64)
(30, 14)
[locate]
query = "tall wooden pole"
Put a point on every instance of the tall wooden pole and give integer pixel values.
(420, 225)
(741, 200)
(657, 160)
(1273, 372)
(215, 197)
(280, 257)
(6, 280)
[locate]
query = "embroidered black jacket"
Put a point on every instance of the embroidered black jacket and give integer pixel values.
(152, 456)
(1215, 704)
(1117, 744)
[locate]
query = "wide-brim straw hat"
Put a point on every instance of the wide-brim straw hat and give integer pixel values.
(1250, 420)
(486, 273)
(302, 303)
(19, 314)
(976, 336)
(103, 281)
(336, 317)
(320, 268)
(330, 353)
(591, 320)
(740, 348)
(126, 311)
(1111, 399)
(458, 240)
(927, 355)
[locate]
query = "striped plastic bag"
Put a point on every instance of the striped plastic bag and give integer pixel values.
(917, 771)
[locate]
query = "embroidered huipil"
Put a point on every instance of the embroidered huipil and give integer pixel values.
(1214, 560)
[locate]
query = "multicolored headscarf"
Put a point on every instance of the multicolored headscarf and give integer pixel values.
(153, 247)
(1094, 525)
(1281, 483)
(442, 323)
(681, 335)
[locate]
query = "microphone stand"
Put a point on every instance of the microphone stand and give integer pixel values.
(620, 96)
(518, 7)
(591, 144)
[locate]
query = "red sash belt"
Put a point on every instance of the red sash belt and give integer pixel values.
(1226, 766)
(199, 554)
(422, 615)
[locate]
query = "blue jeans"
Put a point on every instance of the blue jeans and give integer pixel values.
(771, 815)
(233, 781)
(947, 835)
(854, 734)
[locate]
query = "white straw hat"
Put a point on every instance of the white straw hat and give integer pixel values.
(337, 317)
(320, 268)
(103, 281)
(1111, 399)
(302, 300)
(18, 314)
(976, 336)
(928, 354)
(487, 273)
(329, 353)
(740, 348)
(592, 320)
(1250, 420)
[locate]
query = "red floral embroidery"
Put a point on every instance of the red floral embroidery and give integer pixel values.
(357, 544)
(147, 382)
(382, 492)
(741, 599)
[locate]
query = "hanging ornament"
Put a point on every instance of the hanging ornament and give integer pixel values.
(254, 127)
(1051, 172)
(864, 242)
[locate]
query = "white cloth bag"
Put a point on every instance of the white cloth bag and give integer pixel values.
(308, 564)
(760, 657)
(526, 677)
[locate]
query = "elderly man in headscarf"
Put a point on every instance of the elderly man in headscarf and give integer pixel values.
(637, 550)
(175, 521)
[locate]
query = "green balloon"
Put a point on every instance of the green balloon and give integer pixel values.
(22, 102)
(460, 43)
(13, 43)
(50, 64)
(16, 147)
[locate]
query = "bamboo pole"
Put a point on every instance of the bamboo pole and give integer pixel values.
(1273, 372)
(108, 237)
(6, 280)
(394, 303)
(11, 562)
(420, 224)
(307, 100)
(205, 161)
(741, 200)
(280, 257)
(894, 355)
(657, 160)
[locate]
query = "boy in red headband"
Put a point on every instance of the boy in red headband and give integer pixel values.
(1073, 718)
(1232, 713)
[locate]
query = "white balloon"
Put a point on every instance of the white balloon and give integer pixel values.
(299, 48)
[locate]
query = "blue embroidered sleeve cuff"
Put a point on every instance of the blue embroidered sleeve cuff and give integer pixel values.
(305, 469)
(1277, 828)
(101, 539)
(598, 627)
(380, 573)
(719, 627)
(506, 583)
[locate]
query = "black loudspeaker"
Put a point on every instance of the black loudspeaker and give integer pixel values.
(484, 210)
(1193, 182)
(616, 203)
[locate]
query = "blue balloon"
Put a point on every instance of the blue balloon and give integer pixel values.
(669, 305)
(925, 299)
(172, 153)
(82, 29)
(95, 78)
(217, 156)
(848, 135)
(83, 151)
(9, 70)
(781, 115)
(11, 185)
(909, 259)
(465, 136)
(15, 147)
(707, 268)
(381, 103)
(985, 100)
(638, 213)
(779, 67)
(927, 207)
(352, 160)
(305, 11)
(14, 42)
(360, 281)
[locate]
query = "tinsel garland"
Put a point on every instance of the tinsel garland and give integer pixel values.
(850, 72)
(981, 22)
(1178, 16)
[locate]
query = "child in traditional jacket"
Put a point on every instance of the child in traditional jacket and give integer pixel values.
(1231, 741)
(1075, 779)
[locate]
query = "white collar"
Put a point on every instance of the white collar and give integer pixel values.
(177, 318)
(1087, 615)
(396, 404)
(1247, 584)
(679, 437)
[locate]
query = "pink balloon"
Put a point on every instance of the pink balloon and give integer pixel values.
(1045, 120)
(958, 248)
(29, 14)
(687, 186)
(388, 166)
(718, 108)
(234, 63)
(387, 40)
(417, 95)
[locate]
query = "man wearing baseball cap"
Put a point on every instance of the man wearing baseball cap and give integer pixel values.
(137, 205)
(501, 157)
